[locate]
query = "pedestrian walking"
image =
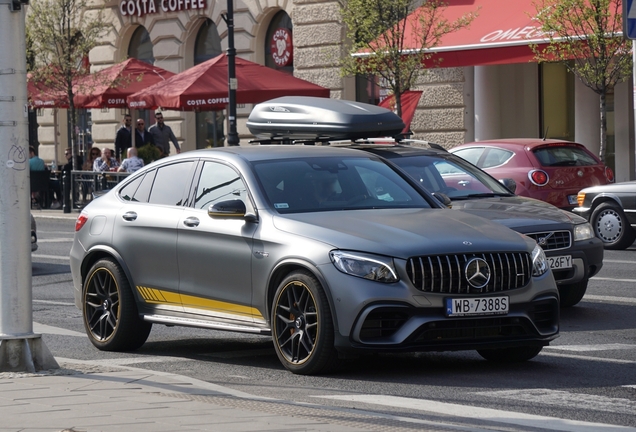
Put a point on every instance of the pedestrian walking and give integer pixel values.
(163, 135)
(123, 138)
(142, 136)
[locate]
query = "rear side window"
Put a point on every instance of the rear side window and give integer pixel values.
(170, 184)
(564, 156)
(496, 157)
(127, 193)
(472, 154)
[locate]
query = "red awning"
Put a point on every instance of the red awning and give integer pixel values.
(205, 87)
(500, 34)
(40, 95)
(409, 99)
(109, 87)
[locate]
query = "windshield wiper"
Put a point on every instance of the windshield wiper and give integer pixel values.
(482, 195)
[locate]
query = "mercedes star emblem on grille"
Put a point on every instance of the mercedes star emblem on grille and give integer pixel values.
(477, 273)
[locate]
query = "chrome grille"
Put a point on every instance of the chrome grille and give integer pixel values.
(553, 240)
(445, 273)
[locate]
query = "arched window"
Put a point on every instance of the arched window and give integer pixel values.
(141, 46)
(209, 123)
(279, 46)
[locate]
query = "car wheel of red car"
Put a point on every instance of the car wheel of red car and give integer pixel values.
(571, 294)
(611, 226)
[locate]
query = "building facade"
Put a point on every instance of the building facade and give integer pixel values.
(306, 38)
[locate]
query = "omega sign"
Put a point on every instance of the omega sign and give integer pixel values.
(147, 7)
(282, 47)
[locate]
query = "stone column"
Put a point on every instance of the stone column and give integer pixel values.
(487, 104)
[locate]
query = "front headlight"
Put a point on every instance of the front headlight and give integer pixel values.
(583, 231)
(366, 266)
(539, 261)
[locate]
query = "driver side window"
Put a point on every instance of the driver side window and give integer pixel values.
(217, 183)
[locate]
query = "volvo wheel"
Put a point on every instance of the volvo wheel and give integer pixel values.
(110, 313)
(302, 326)
(611, 226)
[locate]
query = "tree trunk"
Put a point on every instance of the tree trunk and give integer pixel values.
(603, 137)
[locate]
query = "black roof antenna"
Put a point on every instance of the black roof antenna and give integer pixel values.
(546, 133)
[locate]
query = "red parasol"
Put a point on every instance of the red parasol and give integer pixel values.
(205, 87)
(109, 87)
(41, 95)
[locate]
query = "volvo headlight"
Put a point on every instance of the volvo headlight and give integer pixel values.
(583, 231)
(539, 261)
(366, 266)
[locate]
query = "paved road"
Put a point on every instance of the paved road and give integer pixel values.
(585, 381)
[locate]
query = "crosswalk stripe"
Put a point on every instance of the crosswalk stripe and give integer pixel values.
(51, 257)
(487, 414)
(610, 299)
(588, 358)
(598, 347)
(565, 399)
(596, 278)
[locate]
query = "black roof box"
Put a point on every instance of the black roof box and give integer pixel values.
(305, 118)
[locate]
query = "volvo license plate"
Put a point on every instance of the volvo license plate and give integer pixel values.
(560, 262)
(477, 306)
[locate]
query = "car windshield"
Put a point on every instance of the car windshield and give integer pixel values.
(450, 175)
(333, 184)
(563, 156)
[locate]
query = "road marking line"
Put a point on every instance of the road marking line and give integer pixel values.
(45, 329)
(55, 240)
(580, 357)
(566, 399)
(52, 257)
(487, 414)
(56, 303)
(613, 279)
(610, 299)
(618, 261)
(600, 347)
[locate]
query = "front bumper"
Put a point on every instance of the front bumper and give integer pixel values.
(587, 261)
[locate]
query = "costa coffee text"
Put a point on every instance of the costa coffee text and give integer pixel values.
(147, 7)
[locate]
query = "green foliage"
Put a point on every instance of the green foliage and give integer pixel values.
(586, 36)
(377, 31)
(149, 153)
(60, 34)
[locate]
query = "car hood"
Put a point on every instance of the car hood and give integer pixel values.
(519, 213)
(403, 233)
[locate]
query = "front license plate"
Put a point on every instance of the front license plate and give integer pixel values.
(477, 306)
(560, 262)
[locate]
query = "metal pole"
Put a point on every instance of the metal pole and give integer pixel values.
(20, 348)
(232, 135)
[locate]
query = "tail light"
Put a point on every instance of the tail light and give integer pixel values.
(609, 174)
(81, 220)
(538, 177)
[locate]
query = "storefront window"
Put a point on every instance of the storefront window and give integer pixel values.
(279, 46)
(209, 123)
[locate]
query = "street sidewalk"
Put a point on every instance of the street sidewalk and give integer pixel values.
(54, 214)
(85, 396)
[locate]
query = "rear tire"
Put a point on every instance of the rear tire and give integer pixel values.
(302, 326)
(511, 355)
(110, 313)
(571, 294)
(611, 226)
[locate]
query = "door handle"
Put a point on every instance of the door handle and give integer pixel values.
(191, 221)
(129, 216)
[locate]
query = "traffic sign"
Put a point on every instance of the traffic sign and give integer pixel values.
(629, 19)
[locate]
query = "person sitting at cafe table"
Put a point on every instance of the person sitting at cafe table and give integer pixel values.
(132, 163)
(106, 162)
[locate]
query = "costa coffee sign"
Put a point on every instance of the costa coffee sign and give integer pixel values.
(148, 7)
(282, 47)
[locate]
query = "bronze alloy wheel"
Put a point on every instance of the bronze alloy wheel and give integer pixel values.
(110, 314)
(302, 325)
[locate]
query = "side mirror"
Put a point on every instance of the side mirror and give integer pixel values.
(443, 198)
(509, 183)
(231, 209)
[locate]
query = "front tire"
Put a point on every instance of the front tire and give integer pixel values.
(302, 325)
(570, 295)
(611, 226)
(511, 355)
(111, 318)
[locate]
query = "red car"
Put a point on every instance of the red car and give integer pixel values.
(550, 170)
